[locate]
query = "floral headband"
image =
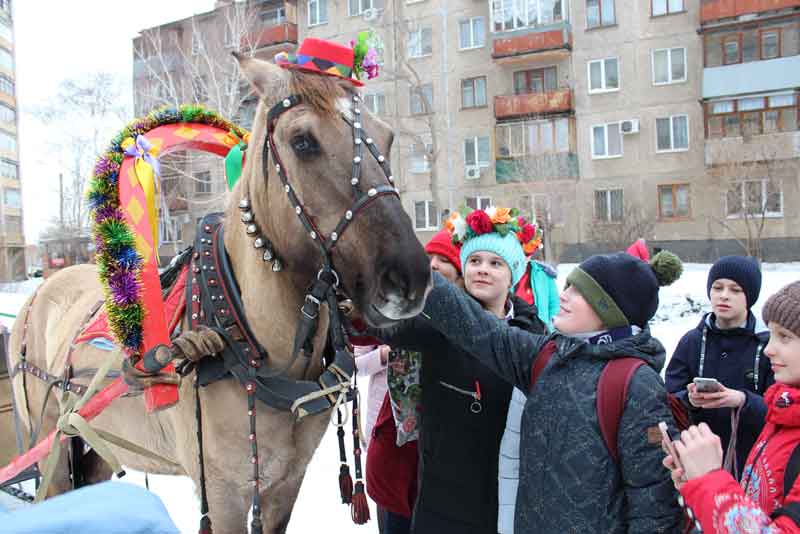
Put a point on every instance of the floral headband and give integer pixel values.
(498, 220)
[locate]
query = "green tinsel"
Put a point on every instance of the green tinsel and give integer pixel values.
(115, 234)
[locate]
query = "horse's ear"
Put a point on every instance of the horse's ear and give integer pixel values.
(262, 75)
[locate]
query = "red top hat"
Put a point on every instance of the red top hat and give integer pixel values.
(321, 57)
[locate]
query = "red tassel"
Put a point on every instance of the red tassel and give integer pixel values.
(205, 525)
(345, 484)
(359, 509)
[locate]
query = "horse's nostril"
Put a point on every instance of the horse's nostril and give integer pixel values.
(393, 281)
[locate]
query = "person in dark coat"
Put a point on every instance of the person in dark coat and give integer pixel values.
(726, 346)
(464, 404)
(569, 481)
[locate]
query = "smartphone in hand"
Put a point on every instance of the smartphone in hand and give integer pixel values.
(707, 385)
(668, 445)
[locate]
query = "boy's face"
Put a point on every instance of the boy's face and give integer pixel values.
(783, 351)
(575, 315)
(442, 265)
(487, 277)
(728, 301)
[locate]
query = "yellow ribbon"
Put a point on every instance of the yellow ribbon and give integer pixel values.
(145, 172)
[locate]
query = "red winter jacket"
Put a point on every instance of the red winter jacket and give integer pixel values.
(722, 506)
(391, 470)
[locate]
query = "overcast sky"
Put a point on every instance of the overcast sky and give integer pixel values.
(56, 40)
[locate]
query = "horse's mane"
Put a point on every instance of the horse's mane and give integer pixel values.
(319, 92)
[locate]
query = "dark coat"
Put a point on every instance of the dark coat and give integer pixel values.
(459, 448)
(731, 359)
(568, 480)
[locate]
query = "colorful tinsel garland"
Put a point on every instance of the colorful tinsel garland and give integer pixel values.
(119, 263)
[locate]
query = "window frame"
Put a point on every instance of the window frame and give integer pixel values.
(669, 81)
(427, 146)
(471, 32)
(201, 185)
(672, 148)
(610, 219)
(674, 189)
(476, 144)
(473, 81)
(605, 130)
(478, 201)
(420, 31)
(764, 198)
(604, 88)
(375, 98)
(739, 114)
(761, 33)
(737, 38)
(667, 12)
(362, 9)
(15, 190)
(600, 16)
(527, 24)
(536, 73)
(419, 92)
(317, 10)
(428, 205)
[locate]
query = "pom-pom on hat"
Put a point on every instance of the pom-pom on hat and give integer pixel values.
(742, 270)
(442, 244)
(497, 230)
(333, 59)
(622, 289)
(783, 308)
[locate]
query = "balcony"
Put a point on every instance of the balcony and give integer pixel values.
(515, 106)
(753, 77)
(272, 35)
(549, 43)
(538, 168)
(711, 10)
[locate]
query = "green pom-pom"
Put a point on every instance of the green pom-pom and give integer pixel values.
(115, 234)
(667, 267)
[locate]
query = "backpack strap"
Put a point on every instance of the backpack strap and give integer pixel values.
(542, 358)
(790, 510)
(792, 470)
(612, 391)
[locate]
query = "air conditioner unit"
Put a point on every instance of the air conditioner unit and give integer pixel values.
(630, 126)
(473, 173)
(370, 14)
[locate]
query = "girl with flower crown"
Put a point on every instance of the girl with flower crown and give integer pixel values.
(464, 404)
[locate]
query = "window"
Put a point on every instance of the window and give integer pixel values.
(9, 169)
(477, 151)
(376, 103)
(667, 7)
(5, 31)
(606, 141)
(5, 5)
(13, 225)
(471, 33)
(421, 99)
(12, 198)
(6, 85)
(673, 201)
(770, 44)
(600, 13)
(199, 86)
(604, 75)
(357, 7)
(420, 42)
(7, 114)
(669, 66)
(533, 138)
(317, 12)
(420, 154)
(608, 205)
(8, 142)
(755, 197)
(672, 133)
(273, 17)
(6, 61)
(535, 81)
(426, 217)
(202, 182)
(510, 15)
(479, 203)
(752, 116)
(197, 42)
(730, 50)
(473, 92)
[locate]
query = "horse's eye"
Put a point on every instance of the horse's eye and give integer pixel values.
(304, 145)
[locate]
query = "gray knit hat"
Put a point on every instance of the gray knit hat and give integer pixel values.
(784, 308)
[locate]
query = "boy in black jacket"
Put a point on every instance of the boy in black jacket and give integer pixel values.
(726, 346)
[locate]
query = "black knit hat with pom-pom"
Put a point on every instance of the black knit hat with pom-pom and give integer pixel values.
(622, 289)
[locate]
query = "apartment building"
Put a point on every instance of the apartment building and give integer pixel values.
(189, 61)
(12, 239)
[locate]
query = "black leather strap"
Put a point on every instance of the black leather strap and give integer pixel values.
(790, 510)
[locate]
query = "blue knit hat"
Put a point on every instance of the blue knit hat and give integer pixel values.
(742, 270)
(507, 247)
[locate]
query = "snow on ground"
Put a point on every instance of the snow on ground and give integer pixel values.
(318, 504)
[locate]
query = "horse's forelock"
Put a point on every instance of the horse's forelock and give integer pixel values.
(319, 92)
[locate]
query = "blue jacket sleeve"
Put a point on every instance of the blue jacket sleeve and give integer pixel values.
(555, 302)
(679, 372)
(506, 350)
(650, 495)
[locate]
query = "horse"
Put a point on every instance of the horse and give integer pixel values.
(380, 265)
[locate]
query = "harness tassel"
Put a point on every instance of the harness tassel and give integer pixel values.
(359, 509)
(205, 525)
(345, 484)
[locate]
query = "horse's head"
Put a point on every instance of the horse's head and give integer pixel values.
(381, 264)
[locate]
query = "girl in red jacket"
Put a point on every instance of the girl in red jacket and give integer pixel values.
(768, 498)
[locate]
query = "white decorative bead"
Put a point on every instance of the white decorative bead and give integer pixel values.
(358, 140)
(244, 203)
(247, 216)
(298, 210)
(313, 234)
(356, 125)
(258, 243)
(287, 102)
(277, 265)
(372, 192)
(369, 140)
(348, 215)
(381, 159)
(357, 159)
(334, 236)
(251, 228)
(354, 181)
(391, 178)
(278, 167)
(355, 98)
(357, 111)
(287, 188)
(268, 255)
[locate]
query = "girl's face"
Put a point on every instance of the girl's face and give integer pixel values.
(442, 265)
(487, 278)
(783, 351)
(728, 302)
(575, 315)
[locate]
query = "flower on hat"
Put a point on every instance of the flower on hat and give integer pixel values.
(457, 226)
(501, 215)
(480, 222)
(365, 55)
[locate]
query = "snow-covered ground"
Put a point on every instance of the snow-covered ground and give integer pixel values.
(318, 504)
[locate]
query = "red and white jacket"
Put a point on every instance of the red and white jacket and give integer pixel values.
(723, 506)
